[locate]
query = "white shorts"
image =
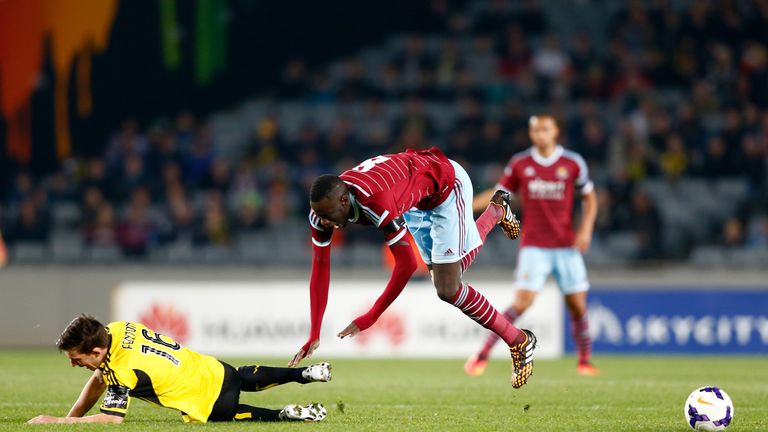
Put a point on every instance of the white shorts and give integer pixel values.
(566, 265)
(447, 233)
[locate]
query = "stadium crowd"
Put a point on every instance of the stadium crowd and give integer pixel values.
(666, 94)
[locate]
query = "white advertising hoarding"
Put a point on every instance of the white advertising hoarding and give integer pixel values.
(272, 318)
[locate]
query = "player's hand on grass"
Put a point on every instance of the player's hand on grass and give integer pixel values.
(582, 241)
(305, 352)
(43, 419)
(351, 330)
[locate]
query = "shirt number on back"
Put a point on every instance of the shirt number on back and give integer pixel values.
(157, 339)
(368, 165)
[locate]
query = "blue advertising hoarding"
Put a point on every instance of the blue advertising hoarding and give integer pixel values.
(677, 321)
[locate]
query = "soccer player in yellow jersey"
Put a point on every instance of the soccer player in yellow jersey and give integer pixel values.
(129, 360)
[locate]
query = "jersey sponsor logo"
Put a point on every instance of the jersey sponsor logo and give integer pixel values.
(546, 190)
(561, 172)
(116, 398)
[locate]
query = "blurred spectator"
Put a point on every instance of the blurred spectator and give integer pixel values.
(3, 252)
(164, 151)
(390, 86)
(354, 84)
(132, 175)
(219, 177)
(136, 230)
(757, 236)
(321, 89)
(31, 225)
(103, 230)
(494, 19)
(214, 228)
(732, 236)
(753, 165)
(342, 141)
(280, 204)
(186, 130)
(674, 159)
(550, 61)
(716, 163)
(294, 84)
(414, 118)
(374, 128)
(179, 224)
(91, 203)
(515, 58)
(128, 141)
(95, 175)
(21, 189)
(413, 61)
(646, 225)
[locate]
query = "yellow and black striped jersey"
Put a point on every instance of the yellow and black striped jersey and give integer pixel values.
(149, 366)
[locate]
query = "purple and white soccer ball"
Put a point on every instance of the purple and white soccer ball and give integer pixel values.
(708, 409)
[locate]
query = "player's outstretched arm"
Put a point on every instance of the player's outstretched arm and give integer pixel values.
(586, 227)
(91, 393)
(405, 266)
(318, 300)
(97, 418)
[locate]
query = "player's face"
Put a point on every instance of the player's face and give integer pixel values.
(90, 361)
(543, 131)
(333, 211)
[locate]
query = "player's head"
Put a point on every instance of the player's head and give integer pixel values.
(543, 130)
(85, 341)
(329, 198)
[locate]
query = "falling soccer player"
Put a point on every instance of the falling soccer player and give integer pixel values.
(129, 360)
(429, 195)
(546, 178)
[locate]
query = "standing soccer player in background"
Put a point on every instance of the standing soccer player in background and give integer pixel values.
(545, 178)
(429, 195)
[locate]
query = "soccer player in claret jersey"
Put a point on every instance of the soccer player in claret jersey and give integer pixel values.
(546, 178)
(129, 360)
(429, 195)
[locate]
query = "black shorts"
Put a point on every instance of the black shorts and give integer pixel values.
(225, 407)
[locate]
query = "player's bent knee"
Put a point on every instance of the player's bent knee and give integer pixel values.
(446, 291)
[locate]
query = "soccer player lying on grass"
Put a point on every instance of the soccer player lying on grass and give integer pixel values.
(129, 360)
(429, 195)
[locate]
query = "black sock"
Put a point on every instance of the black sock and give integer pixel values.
(252, 413)
(257, 378)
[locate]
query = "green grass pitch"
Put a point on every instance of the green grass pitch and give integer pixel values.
(633, 393)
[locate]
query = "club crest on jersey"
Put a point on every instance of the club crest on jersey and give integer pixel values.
(561, 172)
(529, 171)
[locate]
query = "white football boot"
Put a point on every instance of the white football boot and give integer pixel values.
(310, 413)
(320, 372)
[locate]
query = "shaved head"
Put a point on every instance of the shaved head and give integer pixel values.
(329, 199)
(325, 186)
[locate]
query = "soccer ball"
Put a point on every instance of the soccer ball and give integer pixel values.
(708, 409)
